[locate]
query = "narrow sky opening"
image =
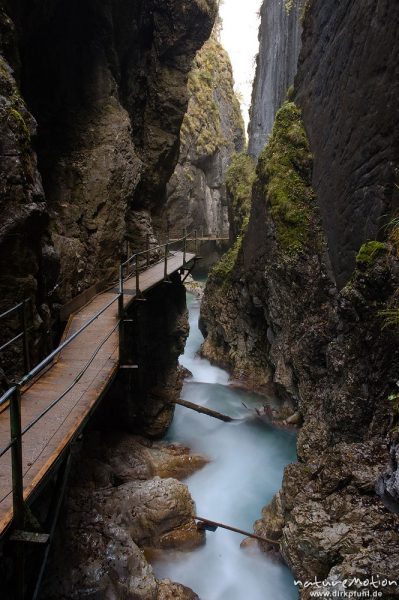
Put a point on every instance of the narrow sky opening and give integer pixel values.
(240, 38)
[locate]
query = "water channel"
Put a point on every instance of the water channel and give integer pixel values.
(247, 459)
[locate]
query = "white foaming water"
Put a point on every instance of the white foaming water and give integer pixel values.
(201, 369)
(247, 462)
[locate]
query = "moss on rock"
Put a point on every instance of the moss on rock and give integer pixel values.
(285, 171)
(210, 77)
(369, 252)
(14, 111)
(225, 266)
(239, 180)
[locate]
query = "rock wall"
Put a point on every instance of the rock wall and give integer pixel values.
(98, 548)
(276, 65)
(106, 84)
(24, 216)
(347, 86)
(212, 132)
(280, 313)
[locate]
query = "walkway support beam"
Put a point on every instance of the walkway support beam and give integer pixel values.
(16, 459)
(165, 274)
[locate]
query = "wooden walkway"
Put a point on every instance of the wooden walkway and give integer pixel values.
(91, 360)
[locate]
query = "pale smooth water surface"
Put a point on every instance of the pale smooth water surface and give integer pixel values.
(247, 462)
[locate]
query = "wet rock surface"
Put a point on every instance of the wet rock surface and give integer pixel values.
(23, 222)
(212, 131)
(346, 62)
(276, 65)
(92, 98)
(117, 504)
(278, 316)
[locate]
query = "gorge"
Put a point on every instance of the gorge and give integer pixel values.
(120, 130)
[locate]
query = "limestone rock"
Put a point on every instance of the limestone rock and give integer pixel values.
(297, 307)
(356, 150)
(173, 591)
(276, 66)
(96, 550)
(212, 131)
(104, 95)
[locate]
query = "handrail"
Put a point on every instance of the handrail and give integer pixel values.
(7, 395)
(147, 252)
(36, 370)
(159, 247)
(23, 334)
(14, 308)
(39, 367)
(14, 393)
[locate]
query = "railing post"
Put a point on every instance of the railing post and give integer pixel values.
(184, 245)
(137, 277)
(196, 242)
(16, 459)
(165, 275)
(120, 297)
(121, 311)
(25, 339)
(148, 249)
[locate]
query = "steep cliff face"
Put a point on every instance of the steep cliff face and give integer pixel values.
(347, 86)
(212, 131)
(23, 217)
(276, 65)
(276, 314)
(106, 83)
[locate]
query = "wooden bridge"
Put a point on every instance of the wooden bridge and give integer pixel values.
(44, 412)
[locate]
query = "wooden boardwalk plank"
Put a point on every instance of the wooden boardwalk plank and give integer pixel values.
(46, 440)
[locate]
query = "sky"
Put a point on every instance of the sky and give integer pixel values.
(240, 38)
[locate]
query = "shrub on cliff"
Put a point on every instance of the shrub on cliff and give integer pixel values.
(285, 172)
(239, 180)
(369, 252)
(210, 78)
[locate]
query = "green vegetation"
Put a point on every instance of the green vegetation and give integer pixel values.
(304, 8)
(285, 170)
(369, 252)
(210, 81)
(290, 93)
(14, 107)
(224, 267)
(390, 316)
(239, 180)
(303, 5)
(392, 230)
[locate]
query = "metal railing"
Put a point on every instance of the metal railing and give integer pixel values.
(21, 310)
(201, 234)
(133, 266)
(140, 261)
(13, 395)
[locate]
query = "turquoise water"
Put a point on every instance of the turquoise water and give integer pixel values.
(247, 462)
